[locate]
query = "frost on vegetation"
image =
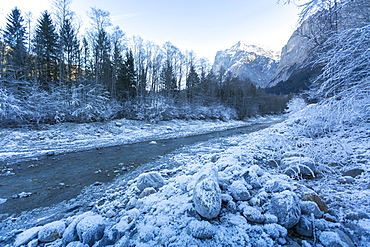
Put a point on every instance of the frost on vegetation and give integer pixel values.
(296, 104)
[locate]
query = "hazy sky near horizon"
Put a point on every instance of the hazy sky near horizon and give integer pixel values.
(204, 26)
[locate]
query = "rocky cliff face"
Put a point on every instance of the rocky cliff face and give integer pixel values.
(297, 67)
(247, 62)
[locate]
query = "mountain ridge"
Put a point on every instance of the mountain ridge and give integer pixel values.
(246, 61)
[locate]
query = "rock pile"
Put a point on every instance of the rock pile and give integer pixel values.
(234, 204)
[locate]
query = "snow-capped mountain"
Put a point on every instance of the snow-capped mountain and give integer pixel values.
(247, 61)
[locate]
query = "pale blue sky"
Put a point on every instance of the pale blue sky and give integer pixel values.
(204, 26)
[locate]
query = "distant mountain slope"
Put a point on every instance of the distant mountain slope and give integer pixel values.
(247, 61)
(299, 67)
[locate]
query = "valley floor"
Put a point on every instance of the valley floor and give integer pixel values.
(330, 168)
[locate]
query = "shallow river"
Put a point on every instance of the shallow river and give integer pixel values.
(52, 179)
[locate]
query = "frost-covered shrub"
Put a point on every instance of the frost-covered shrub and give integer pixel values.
(345, 62)
(159, 108)
(295, 104)
(30, 105)
(12, 110)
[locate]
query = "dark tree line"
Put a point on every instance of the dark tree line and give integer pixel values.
(141, 78)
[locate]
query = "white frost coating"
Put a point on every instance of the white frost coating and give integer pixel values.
(329, 239)
(201, 229)
(52, 231)
(150, 179)
(207, 196)
(239, 191)
(70, 233)
(26, 236)
(91, 229)
(286, 206)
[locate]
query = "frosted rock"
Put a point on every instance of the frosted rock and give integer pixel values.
(33, 243)
(353, 172)
(330, 239)
(207, 196)
(76, 244)
(127, 221)
(52, 231)
(239, 191)
(252, 176)
(308, 208)
(90, 229)
(146, 192)
(150, 179)
(253, 215)
(27, 236)
(277, 185)
(286, 206)
(307, 194)
(304, 226)
(275, 231)
(70, 234)
(270, 218)
(346, 180)
(201, 229)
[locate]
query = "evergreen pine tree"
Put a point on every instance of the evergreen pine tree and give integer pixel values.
(45, 48)
(168, 78)
(70, 45)
(14, 37)
(102, 63)
(192, 80)
(127, 80)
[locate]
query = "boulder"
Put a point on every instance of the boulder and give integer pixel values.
(146, 192)
(52, 231)
(277, 185)
(253, 215)
(201, 229)
(91, 229)
(207, 196)
(335, 239)
(307, 194)
(309, 207)
(150, 179)
(346, 180)
(33, 243)
(76, 244)
(239, 191)
(353, 172)
(70, 234)
(286, 207)
(275, 231)
(304, 226)
(27, 236)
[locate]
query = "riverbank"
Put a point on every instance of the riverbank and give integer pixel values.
(328, 207)
(69, 137)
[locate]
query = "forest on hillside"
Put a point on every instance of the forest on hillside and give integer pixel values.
(51, 72)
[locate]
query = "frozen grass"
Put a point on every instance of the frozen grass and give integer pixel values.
(66, 137)
(335, 134)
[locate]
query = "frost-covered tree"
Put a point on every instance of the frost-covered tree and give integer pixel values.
(63, 16)
(45, 45)
(169, 79)
(101, 46)
(345, 61)
(192, 81)
(70, 49)
(126, 85)
(14, 37)
(102, 61)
